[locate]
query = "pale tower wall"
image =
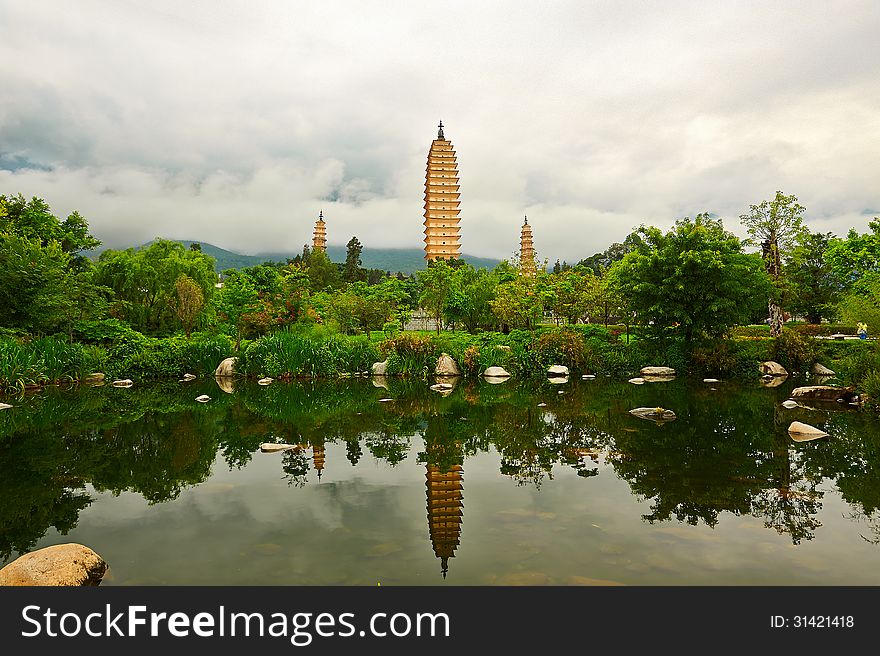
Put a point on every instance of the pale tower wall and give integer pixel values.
(319, 237)
(527, 249)
(442, 231)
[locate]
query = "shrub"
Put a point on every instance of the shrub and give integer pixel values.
(564, 347)
(410, 354)
(793, 350)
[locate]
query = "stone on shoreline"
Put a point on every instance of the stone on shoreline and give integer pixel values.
(264, 381)
(5, 406)
(557, 370)
(204, 398)
(823, 393)
(68, 564)
(187, 377)
(657, 371)
(226, 368)
(637, 381)
(821, 370)
(125, 382)
(379, 368)
(495, 372)
(771, 368)
(446, 366)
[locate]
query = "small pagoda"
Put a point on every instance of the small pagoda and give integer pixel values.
(445, 505)
(527, 263)
(319, 237)
(442, 238)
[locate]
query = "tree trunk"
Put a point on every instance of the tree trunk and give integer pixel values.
(775, 319)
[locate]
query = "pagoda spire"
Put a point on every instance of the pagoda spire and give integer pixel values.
(442, 201)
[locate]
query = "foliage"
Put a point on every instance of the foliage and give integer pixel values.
(812, 286)
(188, 301)
(692, 281)
(144, 281)
(793, 350)
(856, 257)
(43, 361)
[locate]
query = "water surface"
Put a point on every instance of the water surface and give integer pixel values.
(533, 484)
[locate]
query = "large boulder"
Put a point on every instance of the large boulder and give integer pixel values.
(771, 368)
(821, 370)
(801, 432)
(380, 368)
(446, 366)
(557, 371)
(822, 393)
(226, 369)
(657, 371)
(496, 372)
(68, 564)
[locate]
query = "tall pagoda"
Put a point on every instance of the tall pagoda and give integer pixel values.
(319, 237)
(441, 201)
(444, 512)
(527, 250)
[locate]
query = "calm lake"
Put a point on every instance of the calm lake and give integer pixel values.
(507, 484)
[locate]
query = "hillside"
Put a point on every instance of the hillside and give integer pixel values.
(404, 260)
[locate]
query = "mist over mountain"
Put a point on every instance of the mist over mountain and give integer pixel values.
(403, 260)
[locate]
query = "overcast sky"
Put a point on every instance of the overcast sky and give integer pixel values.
(234, 122)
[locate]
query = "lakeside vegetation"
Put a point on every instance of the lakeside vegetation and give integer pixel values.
(687, 298)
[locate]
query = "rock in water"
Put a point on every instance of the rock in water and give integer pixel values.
(588, 377)
(380, 368)
(187, 377)
(773, 381)
(654, 414)
(801, 432)
(4, 406)
(495, 372)
(125, 382)
(823, 393)
(226, 369)
(557, 371)
(204, 398)
(264, 381)
(385, 400)
(68, 564)
(94, 378)
(711, 380)
(225, 383)
(821, 370)
(557, 380)
(771, 368)
(442, 387)
(789, 404)
(657, 371)
(446, 366)
(658, 379)
(637, 381)
(274, 447)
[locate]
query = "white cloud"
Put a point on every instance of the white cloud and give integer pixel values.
(235, 123)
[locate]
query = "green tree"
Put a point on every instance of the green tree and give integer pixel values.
(775, 225)
(472, 291)
(855, 257)
(812, 286)
(33, 287)
(323, 274)
(144, 281)
(518, 303)
(693, 280)
(436, 284)
(187, 302)
(352, 271)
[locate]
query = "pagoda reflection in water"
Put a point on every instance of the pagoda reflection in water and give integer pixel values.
(444, 491)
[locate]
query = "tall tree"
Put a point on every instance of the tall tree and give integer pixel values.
(812, 287)
(187, 302)
(775, 225)
(691, 281)
(352, 270)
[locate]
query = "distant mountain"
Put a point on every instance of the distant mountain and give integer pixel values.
(404, 260)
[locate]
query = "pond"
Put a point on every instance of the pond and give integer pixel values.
(492, 484)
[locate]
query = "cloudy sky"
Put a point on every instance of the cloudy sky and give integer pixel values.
(235, 122)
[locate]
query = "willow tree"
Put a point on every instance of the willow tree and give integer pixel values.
(775, 225)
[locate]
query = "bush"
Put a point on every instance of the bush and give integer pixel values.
(41, 361)
(563, 346)
(410, 354)
(793, 350)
